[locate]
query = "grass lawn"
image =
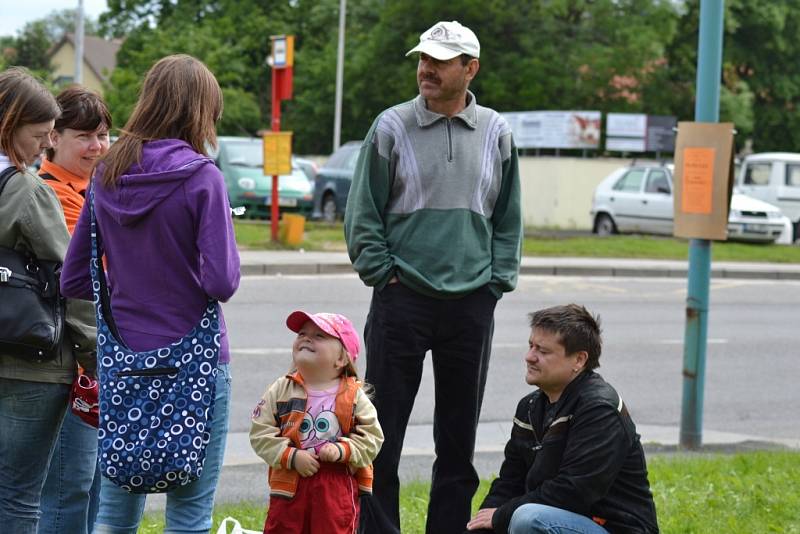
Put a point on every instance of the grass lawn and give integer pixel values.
(756, 492)
(330, 237)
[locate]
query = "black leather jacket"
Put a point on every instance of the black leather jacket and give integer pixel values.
(580, 454)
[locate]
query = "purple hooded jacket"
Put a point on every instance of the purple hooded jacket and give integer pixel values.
(169, 245)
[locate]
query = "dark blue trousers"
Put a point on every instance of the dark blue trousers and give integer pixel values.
(401, 327)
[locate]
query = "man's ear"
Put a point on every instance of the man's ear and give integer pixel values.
(472, 68)
(581, 357)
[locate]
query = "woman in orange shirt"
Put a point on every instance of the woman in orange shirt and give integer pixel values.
(79, 139)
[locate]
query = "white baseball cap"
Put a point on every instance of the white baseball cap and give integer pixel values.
(446, 40)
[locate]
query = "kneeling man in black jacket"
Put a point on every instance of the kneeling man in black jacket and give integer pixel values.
(574, 460)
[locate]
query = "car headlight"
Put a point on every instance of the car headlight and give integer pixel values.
(736, 213)
(774, 215)
(248, 184)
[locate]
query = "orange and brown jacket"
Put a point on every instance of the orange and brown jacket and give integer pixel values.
(275, 431)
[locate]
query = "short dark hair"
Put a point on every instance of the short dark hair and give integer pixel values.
(465, 59)
(23, 100)
(81, 109)
(577, 329)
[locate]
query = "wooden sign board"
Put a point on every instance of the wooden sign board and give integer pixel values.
(703, 179)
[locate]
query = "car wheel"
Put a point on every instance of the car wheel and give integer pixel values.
(604, 225)
(329, 208)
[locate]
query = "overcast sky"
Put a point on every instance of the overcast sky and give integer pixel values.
(15, 13)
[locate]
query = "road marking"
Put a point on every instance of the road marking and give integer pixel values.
(710, 341)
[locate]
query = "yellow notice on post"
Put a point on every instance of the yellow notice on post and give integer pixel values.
(277, 153)
(698, 179)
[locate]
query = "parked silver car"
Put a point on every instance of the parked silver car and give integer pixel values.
(639, 199)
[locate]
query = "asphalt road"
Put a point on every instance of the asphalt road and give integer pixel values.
(752, 357)
(751, 374)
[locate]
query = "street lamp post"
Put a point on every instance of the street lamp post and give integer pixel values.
(79, 43)
(709, 67)
(337, 117)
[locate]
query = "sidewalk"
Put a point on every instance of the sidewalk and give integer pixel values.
(268, 262)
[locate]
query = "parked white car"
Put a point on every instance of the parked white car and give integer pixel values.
(774, 177)
(639, 199)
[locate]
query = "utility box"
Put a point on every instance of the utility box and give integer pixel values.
(292, 229)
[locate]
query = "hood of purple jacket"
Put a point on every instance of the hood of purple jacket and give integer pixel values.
(164, 166)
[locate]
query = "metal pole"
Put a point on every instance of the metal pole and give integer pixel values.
(337, 117)
(276, 127)
(709, 68)
(79, 43)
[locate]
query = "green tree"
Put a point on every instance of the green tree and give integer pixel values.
(31, 47)
(762, 47)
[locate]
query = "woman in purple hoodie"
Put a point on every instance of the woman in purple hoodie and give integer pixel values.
(163, 212)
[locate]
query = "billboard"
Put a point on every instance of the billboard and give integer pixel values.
(555, 129)
(637, 132)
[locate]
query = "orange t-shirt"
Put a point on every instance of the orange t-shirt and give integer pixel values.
(70, 189)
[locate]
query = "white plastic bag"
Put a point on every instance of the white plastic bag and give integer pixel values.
(237, 528)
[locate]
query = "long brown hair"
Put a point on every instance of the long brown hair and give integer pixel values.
(23, 100)
(81, 109)
(180, 99)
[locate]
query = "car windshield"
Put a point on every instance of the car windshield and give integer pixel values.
(246, 154)
(344, 158)
(632, 181)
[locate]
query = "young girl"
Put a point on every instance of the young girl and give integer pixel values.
(318, 431)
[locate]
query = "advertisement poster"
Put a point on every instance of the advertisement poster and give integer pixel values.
(636, 132)
(555, 129)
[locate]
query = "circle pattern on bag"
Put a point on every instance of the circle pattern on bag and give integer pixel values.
(156, 407)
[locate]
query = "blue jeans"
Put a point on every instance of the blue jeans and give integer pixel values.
(70, 494)
(30, 417)
(542, 519)
(189, 507)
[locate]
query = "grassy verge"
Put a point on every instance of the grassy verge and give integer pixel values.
(695, 494)
(330, 237)
(318, 236)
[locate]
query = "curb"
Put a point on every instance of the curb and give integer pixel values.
(729, 272)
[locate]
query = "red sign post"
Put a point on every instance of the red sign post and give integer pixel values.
(282, 63)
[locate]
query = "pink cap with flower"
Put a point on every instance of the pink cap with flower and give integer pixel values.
(333, 324)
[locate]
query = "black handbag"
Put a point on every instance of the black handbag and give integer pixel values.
(31, 306)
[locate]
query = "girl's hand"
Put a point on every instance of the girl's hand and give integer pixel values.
(305, 463)
(330, 453)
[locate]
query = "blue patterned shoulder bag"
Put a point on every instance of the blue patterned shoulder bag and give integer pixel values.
(156, 406)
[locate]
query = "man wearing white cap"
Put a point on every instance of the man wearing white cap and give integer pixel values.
(433, 224)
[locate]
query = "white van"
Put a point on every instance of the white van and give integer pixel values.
(774, 177)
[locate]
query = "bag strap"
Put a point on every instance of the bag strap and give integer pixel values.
(97, 258)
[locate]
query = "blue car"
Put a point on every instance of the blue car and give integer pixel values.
(332, 183)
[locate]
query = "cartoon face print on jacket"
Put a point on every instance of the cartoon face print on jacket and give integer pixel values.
(320, 425)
